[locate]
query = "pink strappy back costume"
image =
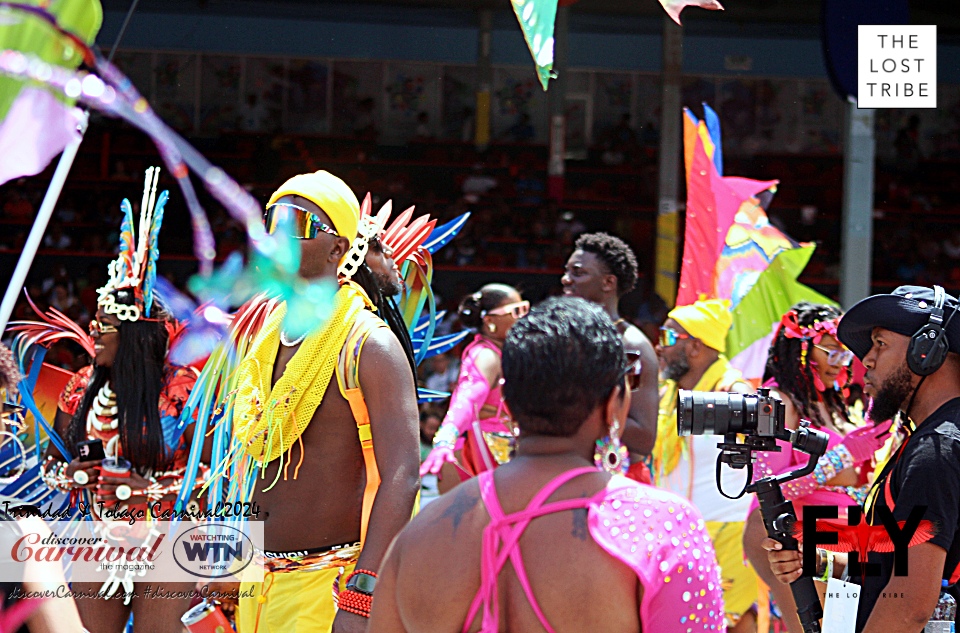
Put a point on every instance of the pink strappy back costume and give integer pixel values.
(656, 533)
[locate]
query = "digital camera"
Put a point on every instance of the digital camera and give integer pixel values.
(722, 413)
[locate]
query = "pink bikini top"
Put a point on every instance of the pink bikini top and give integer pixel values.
(656, 533)
(473, 391)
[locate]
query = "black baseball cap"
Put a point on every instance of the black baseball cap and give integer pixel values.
(904, 311)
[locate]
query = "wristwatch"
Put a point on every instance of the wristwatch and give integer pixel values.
(362, 583)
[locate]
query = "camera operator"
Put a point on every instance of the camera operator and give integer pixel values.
(691, 346)
(889, 333)
(807, 367)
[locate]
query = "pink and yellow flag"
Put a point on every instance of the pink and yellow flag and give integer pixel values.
(713, 202)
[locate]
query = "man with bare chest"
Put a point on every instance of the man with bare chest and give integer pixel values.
(338, 437)
(601, 269)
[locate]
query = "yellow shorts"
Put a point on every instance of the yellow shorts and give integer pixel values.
(293, 602)
(740, 589)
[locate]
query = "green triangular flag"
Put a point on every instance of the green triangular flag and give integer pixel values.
(536, 21)
(775, 291)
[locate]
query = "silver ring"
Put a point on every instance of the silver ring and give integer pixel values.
(123, 492)
(81, 477)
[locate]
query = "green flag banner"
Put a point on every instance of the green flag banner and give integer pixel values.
(536, 21)
(775, 291)
(28, 33)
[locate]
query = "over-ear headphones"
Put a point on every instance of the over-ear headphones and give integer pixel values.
(929, 346)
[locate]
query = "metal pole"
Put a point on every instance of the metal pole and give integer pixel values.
(668, 225)
(558, 106)
(857, 249)
(482, 116)
(40, 225)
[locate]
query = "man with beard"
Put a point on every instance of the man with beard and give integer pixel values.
(601, 269)
(906, 374)
(692, 342)
(385, 270)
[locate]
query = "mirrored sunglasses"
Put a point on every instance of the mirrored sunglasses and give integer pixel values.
(98, 328)
(837, 357)
(303, 225)
(669, 337)
(518, 310)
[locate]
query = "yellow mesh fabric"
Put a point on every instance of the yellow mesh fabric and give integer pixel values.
(269, 421)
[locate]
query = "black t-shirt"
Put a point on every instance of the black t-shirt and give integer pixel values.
(927, 473)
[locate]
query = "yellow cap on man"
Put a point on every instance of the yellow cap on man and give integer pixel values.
(331, 194)
(708, 320)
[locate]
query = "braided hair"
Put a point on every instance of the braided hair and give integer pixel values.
(388, 311)
(790, 367)
(137, 378)
(9, 374)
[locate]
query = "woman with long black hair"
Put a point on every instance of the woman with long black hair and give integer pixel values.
(119, 417)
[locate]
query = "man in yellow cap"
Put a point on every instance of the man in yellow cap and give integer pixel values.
(691, 346)
(309, 402)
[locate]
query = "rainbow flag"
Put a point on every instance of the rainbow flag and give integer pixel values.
(757, 314)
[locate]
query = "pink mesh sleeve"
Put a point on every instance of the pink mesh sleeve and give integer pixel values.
(664, 540)
(468, 396)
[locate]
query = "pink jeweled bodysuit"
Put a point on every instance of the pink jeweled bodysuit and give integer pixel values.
(656, 533)
(474, 400)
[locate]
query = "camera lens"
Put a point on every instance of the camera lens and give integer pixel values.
(715, 413)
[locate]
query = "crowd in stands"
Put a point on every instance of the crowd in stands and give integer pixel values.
(513, 226)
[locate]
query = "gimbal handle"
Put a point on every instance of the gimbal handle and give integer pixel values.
(779, 517)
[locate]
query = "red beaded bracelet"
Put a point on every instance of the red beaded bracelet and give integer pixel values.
(355, 602)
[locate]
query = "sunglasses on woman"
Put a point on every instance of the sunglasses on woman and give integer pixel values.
(632, 371)
(837, 357)
(302, 224)
(518, 310)
(669, 337)
(99, 328)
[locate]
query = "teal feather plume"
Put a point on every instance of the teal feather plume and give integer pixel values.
(150, 277)
(128, 245)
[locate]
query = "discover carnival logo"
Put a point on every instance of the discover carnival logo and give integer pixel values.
(32, 546)
(213, 551)
(109, 551)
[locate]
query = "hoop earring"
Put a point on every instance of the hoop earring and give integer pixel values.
(610, 455)
(492, 327)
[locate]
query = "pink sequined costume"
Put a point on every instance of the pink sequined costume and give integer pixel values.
(656, 533)
(474, 400)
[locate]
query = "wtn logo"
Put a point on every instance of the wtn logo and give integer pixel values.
(859, 538)
(212, 552)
